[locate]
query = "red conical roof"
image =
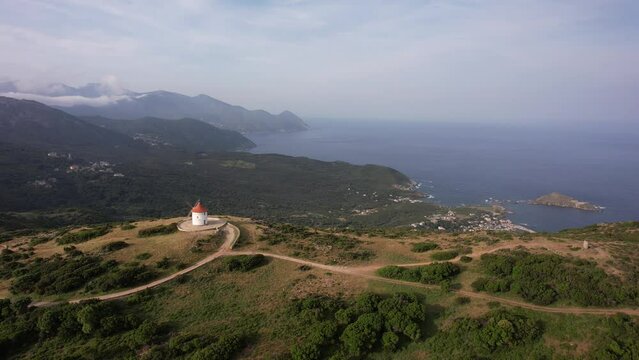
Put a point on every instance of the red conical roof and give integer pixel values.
(199, 208)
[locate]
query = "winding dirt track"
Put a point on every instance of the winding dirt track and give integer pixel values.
(367, 272)
(364, 272)
(232, 234)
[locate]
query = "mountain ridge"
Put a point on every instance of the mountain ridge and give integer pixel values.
(30, 123)
(110, 101)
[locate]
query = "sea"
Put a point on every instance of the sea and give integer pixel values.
(485, 163)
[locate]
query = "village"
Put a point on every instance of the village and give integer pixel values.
(488, 222)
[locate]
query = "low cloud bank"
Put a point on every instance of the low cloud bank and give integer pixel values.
(69, 100)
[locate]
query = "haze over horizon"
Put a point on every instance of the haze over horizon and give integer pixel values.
(516, 61)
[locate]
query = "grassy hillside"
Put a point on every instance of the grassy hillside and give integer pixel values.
(57, 169)
(188, 134)
(270, 187)
(30, 124)
(254, 307)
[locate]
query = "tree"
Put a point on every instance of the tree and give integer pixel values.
(48, 323)
(305, 351)
(390, 340)
(21, 305)
(88, 318)
(360, 337)
(412, 331)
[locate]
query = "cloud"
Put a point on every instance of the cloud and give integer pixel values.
(489, 59)
(67, 101)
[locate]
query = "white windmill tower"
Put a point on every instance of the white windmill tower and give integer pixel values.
(199, 214)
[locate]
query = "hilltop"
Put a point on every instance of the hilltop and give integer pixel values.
(312, 293)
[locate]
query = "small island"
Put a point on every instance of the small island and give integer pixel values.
(560, 200)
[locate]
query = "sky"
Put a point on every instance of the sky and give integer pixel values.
(489, 60)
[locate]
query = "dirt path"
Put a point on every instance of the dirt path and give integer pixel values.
(367, 272)
(232, 234)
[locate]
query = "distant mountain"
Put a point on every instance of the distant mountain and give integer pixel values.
(29, 123)
(32, 124)
(188, 134)
(104, 100)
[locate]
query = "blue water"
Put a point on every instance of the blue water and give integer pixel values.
(471, 163)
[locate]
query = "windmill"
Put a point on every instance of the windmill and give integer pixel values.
(199, 214)
(191, 207)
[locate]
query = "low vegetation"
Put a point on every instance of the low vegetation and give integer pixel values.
(424, 247)
(61, 274)
(445, 255)
(124, 276)
(243, 263)
(546, 278)
(58, 274)
(83, 235)
(210, 242)
(622, 340)
(313, 244)
(127, 226)
(497, 333)
(114, 246)
(428, 274)
(143, 256)
(102, 330)
(371, 323)
(621, 231)
(158, 230)
(117, 331)
(11, 261)
(240, 307)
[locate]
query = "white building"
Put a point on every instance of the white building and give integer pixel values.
(199, 215)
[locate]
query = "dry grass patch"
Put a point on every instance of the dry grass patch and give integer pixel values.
(176, 246)
(254, 302)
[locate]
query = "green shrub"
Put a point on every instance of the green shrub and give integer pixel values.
(158, 230)
(121, 277)
(361, 255)
(477, 338)
(114, 246)
(243, 263)
(479, 284)
(353, 330)
(390, 341)
(545, 278)
(57, 274)
(424, 246)
(622, 341)
(428, 274)
(444, 255)
(462, 300)
(127, 226)
(465, 259)
(143, 256)
(165, 263)
(83, 235)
